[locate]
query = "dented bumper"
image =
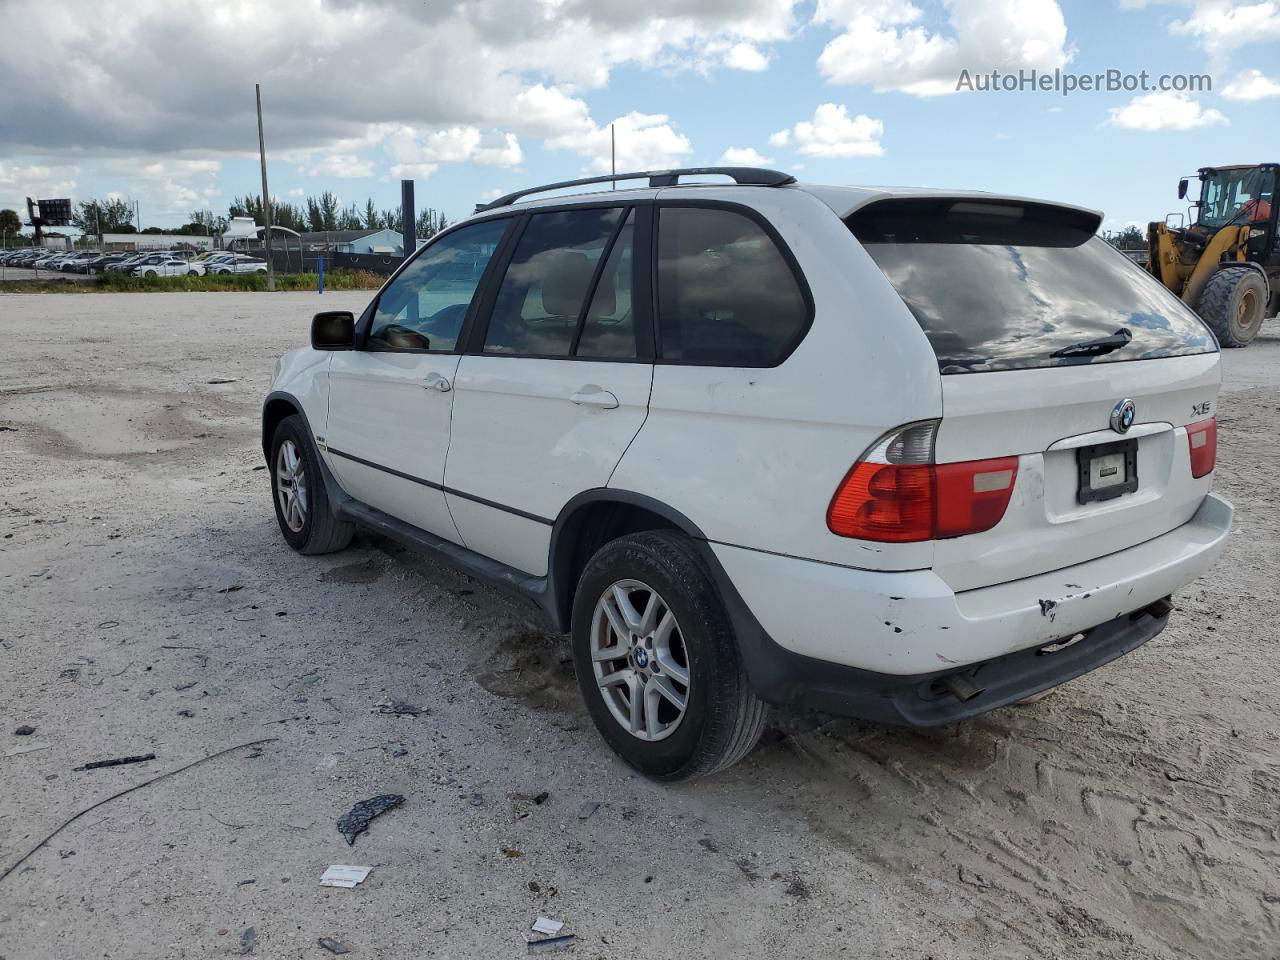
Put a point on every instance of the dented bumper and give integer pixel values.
(912, 626)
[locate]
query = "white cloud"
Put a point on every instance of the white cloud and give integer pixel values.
(1223, 26)
(743, 157)
(483, 64)
(297, 193)
(1251, 85)
(885, 45)
(417, 154)
(494, 194)
(744, 56)
(341, 165)
(833, 133)
(645, 141)
(36, 180)
(1164, 111)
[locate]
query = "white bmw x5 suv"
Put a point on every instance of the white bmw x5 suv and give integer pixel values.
(903, 455)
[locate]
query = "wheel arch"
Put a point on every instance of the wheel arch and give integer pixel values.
(589, 521)
(275, 408)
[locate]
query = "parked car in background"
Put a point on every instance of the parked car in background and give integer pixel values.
(905, 455)
(128, 263)
(72, 263)
(167, 266)
(101, 263)
(241, 264)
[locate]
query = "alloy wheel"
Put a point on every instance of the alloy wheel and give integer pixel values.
(291, 485)
(639, 659)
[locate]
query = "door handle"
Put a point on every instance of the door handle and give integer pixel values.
(433, 381)
(593, 396)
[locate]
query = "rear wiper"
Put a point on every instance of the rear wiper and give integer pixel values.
(1096, 348)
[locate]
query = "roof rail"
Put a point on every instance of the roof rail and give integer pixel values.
(745, 176)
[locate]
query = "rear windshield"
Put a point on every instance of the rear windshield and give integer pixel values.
(1008, 286)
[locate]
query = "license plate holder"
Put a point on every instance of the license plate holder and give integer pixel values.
(1107, 470)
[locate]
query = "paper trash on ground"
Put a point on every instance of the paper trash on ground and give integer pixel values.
(340, 875)
(547, 925)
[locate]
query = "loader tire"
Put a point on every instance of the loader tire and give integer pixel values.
(1234, 303)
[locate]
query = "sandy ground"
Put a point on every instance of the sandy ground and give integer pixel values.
(148, 604)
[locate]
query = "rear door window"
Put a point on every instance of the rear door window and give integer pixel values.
(999, 286)
(726, 294)
(544, 292)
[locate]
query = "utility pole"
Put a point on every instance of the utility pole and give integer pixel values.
(613, 157)
(266, 197)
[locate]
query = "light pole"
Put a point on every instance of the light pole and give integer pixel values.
(266, 196)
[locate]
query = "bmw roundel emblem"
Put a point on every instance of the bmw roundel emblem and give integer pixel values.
(1123, 415)
(642, 658)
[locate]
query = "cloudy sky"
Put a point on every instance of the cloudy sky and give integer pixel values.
(153, 100)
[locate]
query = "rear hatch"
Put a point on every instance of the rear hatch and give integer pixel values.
(1042, 331)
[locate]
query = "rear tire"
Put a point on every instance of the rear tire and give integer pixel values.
(304, 510)
(1234, 303)
(683, 676)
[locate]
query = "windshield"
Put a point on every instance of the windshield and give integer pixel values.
(1225, 194)
(1007, 286)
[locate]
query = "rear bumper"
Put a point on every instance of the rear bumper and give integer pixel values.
(874, 645)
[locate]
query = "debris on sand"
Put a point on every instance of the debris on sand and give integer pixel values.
(356, 821)
(398, 708)
(118, 762)
(25, 730)
(546, 925)
(220, 380)
(248, 941)
(341, 875)
(333, 946)
(588, 809)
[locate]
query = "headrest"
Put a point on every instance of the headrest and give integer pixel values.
(567, 273)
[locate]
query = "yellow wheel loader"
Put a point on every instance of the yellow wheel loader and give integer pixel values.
(1226, 263)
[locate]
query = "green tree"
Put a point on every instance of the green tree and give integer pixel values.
(322, 212)
(282, 214)
(110, 216)
(10, 222)
(1130, 238)
(372, 220)
(350, 219)
(392, 220)
(430, 222)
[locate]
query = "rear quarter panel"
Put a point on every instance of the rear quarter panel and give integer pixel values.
(753, 456)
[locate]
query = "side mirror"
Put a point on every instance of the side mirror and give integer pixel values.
(333, 330)
(1182, 189)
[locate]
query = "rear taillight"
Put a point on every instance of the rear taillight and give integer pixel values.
(1202, 438)
(895, 493)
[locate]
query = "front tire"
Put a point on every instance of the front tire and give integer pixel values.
(657, 662)
(304, 510)
(1234, 303)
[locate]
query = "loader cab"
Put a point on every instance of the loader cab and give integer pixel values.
(1236, 196)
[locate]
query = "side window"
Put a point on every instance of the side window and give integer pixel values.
(608, 330)
(423, 308)
(542, 295)
(726, 296)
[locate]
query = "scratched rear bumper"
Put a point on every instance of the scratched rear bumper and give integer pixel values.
(911, 624)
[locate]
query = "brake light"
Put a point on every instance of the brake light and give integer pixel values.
(1202, 438)
(895, 493)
